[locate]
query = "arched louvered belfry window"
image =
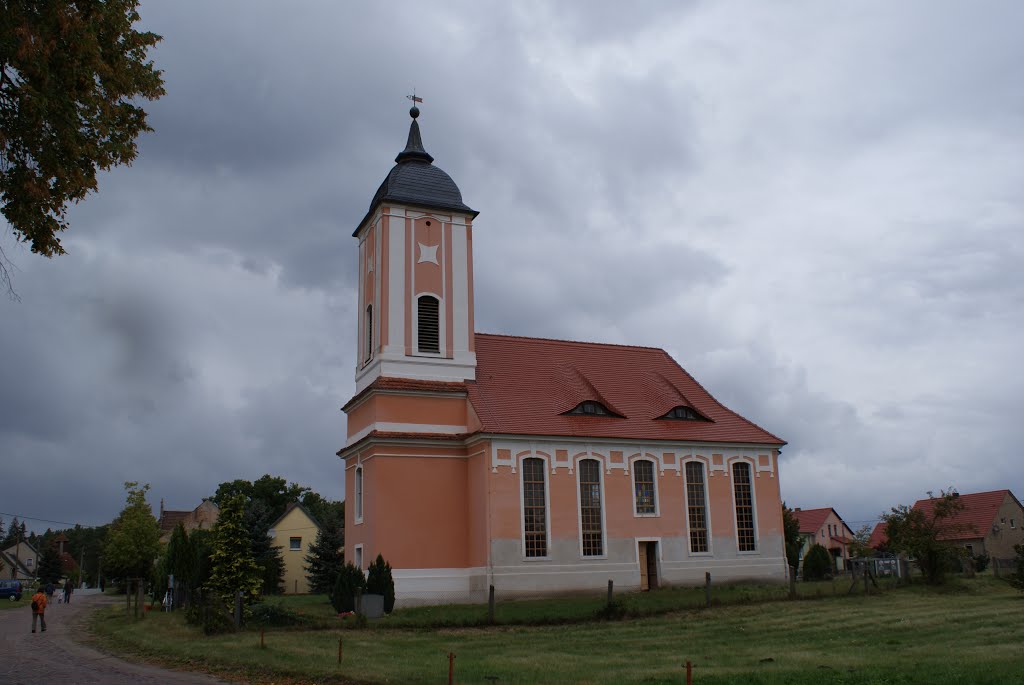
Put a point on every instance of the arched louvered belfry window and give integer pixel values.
(369, 332)
(428, 325)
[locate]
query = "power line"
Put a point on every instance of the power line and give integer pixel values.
(25, 517)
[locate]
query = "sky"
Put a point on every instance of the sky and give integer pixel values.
(816, 208)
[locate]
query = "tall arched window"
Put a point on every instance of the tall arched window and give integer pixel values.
(746, 537)
(590, 508)
(359, 493)
(643, 487)
(535, 521)
(428, 328)
(369, 332)
(696, 506)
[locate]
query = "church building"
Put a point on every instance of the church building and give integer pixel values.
(537, 466)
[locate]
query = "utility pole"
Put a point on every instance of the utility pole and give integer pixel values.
(17, 554)
(81, 570)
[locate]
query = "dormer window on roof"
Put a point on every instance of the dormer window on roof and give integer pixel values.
(682, 413)
(590, 408)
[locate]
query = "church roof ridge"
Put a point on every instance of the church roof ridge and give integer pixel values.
(566, 341)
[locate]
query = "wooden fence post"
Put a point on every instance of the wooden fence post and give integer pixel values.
(611, 586)
(238, 609)
(792, 582)
(689, 672)
(707, 588)
(490, 605)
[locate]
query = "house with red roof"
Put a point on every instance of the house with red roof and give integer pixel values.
(532, 465)
(201, 518)
(826, 528)
(989, 523)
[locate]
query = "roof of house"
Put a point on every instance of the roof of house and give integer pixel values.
(976, 517)
(525, 386)
(878, 537)
(289, 508)
(812, 520)
(170, 518)
(414, 180)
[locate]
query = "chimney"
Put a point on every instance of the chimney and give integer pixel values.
(797, 509)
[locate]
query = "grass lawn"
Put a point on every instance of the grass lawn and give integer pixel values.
(26, 599)
(971, 633)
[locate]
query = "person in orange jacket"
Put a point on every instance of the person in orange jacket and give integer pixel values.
(39, 609)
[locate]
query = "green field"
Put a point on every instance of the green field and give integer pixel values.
(969, 632)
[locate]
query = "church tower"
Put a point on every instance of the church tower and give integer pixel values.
(416, 275)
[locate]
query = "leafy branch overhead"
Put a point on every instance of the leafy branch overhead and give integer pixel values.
(71, 75)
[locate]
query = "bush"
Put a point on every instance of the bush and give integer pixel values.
(981, 562)
(350, 579)
(270, 614)
(1017, 579)
(211, 612)
(380, 582)
(817, 563)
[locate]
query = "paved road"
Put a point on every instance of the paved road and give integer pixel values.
(54, 658)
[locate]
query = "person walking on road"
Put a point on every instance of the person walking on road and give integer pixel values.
(39, 609)
(68, 589)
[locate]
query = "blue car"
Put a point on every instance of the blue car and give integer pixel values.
(11, 589)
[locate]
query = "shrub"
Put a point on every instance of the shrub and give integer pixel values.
(981, 562)
(350, 579)
(272, 614)
(211, 612)
(817, 563)
(380, 582)
(1017, 579)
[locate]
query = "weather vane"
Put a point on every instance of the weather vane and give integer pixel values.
(414, 98)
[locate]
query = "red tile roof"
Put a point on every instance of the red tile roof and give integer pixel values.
(878, 537)
(975, 519)
(406, 384)
(812, 520)
(524, 385)
(169, 519)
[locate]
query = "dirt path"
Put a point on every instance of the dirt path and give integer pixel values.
(55, 657)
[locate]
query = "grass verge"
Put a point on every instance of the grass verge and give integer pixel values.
(970, 634)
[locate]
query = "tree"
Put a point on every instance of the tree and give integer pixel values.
(380, 582)
(325, 558)
(791, 534)
(134, 539)
(49, 569)
(859, 547)
(232, 567)
(71, 74)
(925, 536)
(15, 532)
(350, 579)
(258, 519)
(817, 563)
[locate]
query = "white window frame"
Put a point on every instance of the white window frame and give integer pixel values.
(358, 556)
(604, 508)
(296, 548)
(753, 506)
(707, 509)
(358, 490)
(547, 506)
(657, 496)
(442, 343)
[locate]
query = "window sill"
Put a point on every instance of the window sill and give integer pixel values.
(751, 553)
(708, 554)
(597, 557)
(655, 515)
(529, 559)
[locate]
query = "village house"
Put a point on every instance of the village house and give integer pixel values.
(989, 523)
(536, 466)
(20, 561)
(201, 518)
(294, 533)
(826, 528)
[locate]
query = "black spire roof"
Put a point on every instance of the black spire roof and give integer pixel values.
(414, 180)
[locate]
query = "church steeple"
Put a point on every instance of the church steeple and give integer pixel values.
(416, 274)
(414, 146)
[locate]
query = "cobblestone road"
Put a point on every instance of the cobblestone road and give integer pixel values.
(54, 658)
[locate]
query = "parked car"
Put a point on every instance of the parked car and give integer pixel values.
(11, 589)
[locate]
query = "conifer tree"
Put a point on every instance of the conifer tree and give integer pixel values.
(49, 569)
(325, 558)
(232, 567)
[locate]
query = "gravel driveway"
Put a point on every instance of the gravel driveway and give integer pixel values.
(54, 657)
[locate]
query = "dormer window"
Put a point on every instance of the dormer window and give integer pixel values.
(682, 413)
(590, 408)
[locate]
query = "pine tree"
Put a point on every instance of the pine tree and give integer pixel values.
(325, 558)
(49, 569)
(380, 582)
(258, 519)
(12, 534)
(232, 567)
